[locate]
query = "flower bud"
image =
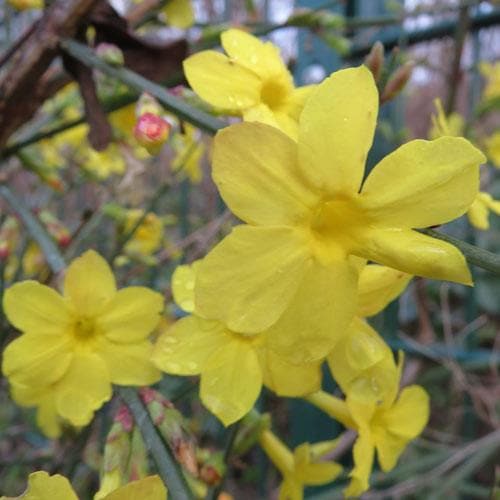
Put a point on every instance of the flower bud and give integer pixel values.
(26, 4)
(110, 53)
(375, 59)
(151, 131)
(397, 81)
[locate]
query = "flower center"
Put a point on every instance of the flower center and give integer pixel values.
(273, 93)
(84, 328)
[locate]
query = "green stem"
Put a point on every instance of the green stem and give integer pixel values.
(135, 81)
(474, 255)
(168, 468)
(36, 230)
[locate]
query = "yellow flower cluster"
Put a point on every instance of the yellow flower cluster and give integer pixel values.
(287, 290)
(75, 345)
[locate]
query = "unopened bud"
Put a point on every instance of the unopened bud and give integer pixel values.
(110, 53)
(250, 429)
(375, 60)
(337, 42)
(26, 4)
(151, 131)
(397, 81)
(4, 250)
(213, 470)
(147, 104)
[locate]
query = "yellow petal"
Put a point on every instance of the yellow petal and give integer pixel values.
(131, 315)
(262, 58)
(83, 389)
(128, 364)
(150, 488)
(221, 82)
(318, 315)
(336, 130)
(184, 348)
(249, 278)
(255, 169)
(179, 14)
(41, 486)
(297, 100)
(231, 381)
(320, 473)
(416, 253)
(36, 308)
(363, 453)
(183, 279)
(37, 359)
(363, 365)
(424, 183)
(409, 415)
(389, 449)
(378, 287)
(289, 380)
(89, 283)
(47, 418)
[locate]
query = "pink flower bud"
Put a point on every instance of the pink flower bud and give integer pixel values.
(151, 131)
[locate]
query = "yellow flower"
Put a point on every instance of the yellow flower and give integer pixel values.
(479, 211)
(386, 425)
(306, 214)
(102, 164)
(300, 468)
(147, 237)
(232, 366)
(41, 486)
(452, 125)
(251, 81)
(189, 148)
(492, 144)
(27, 4)
(179, 13)
(491, 73)
(81, 342)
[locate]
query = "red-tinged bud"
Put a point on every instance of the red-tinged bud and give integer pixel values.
(212, 471)
(397, 81)
(124, 417)
(4, 250)
(375, 60)
(110, 53)
(55, 183)
(151, 131)
(64, 239)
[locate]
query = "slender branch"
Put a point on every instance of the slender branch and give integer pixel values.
(49, 248)
(135, 81)
(168, 468)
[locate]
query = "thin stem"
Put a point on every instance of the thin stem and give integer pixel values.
(135, 81)
(168, 468)
(49, 248)
(228, 449)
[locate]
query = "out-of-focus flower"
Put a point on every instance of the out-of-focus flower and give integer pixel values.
(491, 72)
(189, 150)
(452, 125)
(479, 211)
(26, 4)
(251, 81)
(492, 144)
(148, 236)
(83, 341)
(179, 13)
(102, 164)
